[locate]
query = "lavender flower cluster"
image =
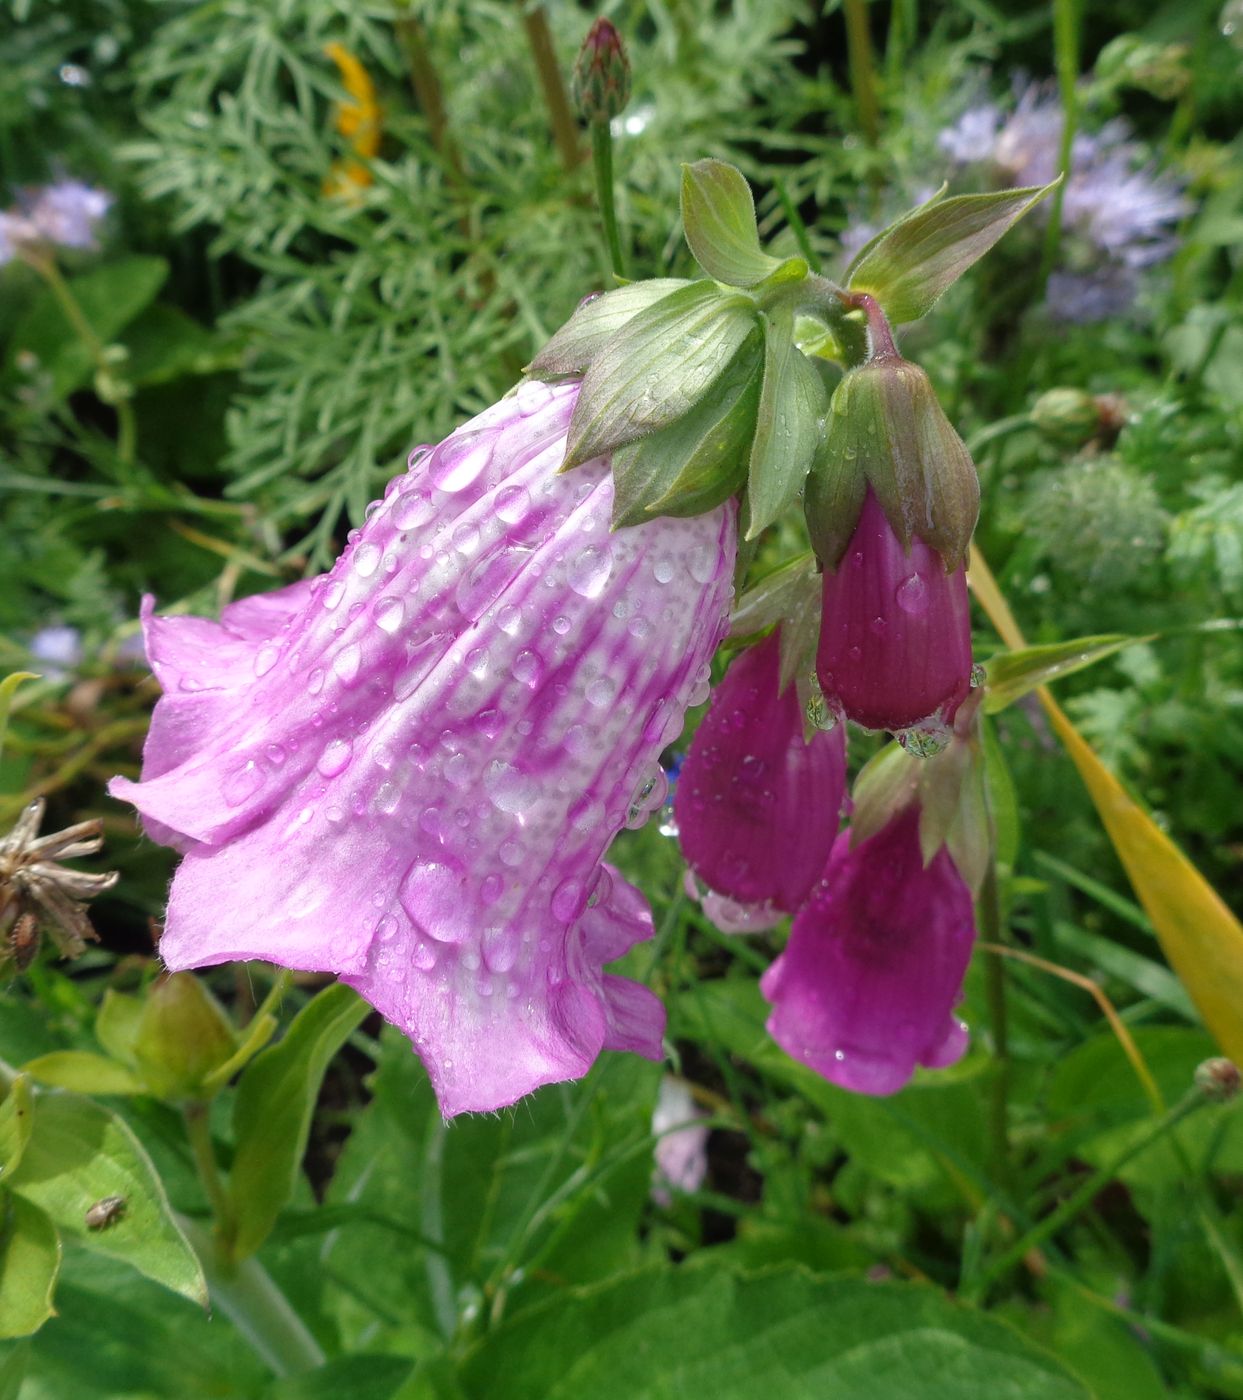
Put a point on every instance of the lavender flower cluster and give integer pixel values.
(1119, 210)
(65, 214)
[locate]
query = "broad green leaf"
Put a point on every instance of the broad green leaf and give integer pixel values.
(272, 1112)
(718, 215)
(595, 323)
(1013, 674)
(117, 1024)
(85, 1073)
(8, 687)
(1200, 936)
(29, 1263)
(110, 298)
(78, 1154)
(667, 1333)
(16, 1125)
(166, 344)
(657, 368)
(13, 1372)
(699, 461)
(356, 1377)
(787, 427)
(908, 267)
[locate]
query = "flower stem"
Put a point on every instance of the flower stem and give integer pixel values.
(602, 161)
(1066, 61)
(862, 68)
(250, 1299)
(427, 89)
(995, 993)
(564, 127)
(127, 431)
(198, 1131)
(824, 299)
(1076, 1202)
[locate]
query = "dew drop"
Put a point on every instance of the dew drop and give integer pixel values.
(242, 783)
(315, 681)
(366, 559)
(509, 788)
(912, 596)
(561, 625)
(978, 676)
(702, 562)
(333, 593)
(567, 900)
(432, 892)
(601, 691)
(820, 714)
(412, 510)
(589, 570)
(531, 396)
(348, 663)
(466, 537)
(265, 659)
(477, 662)
(389, 614)
(926, 739)
(459, 460)
(274, 754)
(512, 503)
(662, 570)
(335, 758)
(527, 668)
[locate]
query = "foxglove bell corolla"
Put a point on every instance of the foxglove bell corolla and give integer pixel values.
(407, 772)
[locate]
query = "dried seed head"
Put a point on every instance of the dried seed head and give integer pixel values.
(37, 891)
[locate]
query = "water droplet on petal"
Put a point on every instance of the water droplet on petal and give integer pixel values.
(662, 570)
(458, 460)
(590, 569)
(412, 510)
(315, 681)
(335, 758)
(347, 663)
(509, 788)
(265, 659)
(912, 596)
(512, 503)
(527, 668)
(568, 901)
(366, 559)
(433, 893)
(242, 783)
(926, 739)
(703, 562)
(389, 614)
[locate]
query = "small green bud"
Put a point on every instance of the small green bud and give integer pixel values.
(1218, 1079)
(601, 82)
(183, 1035)
(1067, 417)
(887, 431)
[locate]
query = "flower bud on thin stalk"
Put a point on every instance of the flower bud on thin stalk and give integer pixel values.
(891, 503)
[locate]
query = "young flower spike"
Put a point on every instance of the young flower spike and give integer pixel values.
(756, 806)
(407, 772)
(866, 987)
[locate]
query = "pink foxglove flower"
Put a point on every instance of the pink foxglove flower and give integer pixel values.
(681, 1153)
(895, 639)
(757, 807)
(866, 987)
(407, 772)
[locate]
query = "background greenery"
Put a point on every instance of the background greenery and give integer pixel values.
(286, 345)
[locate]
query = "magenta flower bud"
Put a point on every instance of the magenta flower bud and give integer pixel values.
(895, 637)
(407, 772)
(601, 80)
(866, 987)
(756, 807)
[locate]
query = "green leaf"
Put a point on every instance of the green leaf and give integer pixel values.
(667, 1333)
(13, 1372)
(595, 323)
(358, 1377)
(1013, 674)
(78, 1154)
(117, 1024)
(166, 344)
(657, 368)
(908, 267)
(110, 297)
(16, 1124)
(85, 1073)
(772, 599)
(718, 214)
(787, 427)
(8, 687)
(272, 1112)
(699, 461)
(29, 1263)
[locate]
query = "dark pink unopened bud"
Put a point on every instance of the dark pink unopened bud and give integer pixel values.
(895, 638)
(866, 987)
(601, 82)
(757, 808)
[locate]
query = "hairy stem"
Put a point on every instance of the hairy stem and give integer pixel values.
(602, 161)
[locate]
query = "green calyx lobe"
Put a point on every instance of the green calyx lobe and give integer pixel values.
(887, 431)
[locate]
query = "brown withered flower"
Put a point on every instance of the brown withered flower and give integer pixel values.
(36, 891)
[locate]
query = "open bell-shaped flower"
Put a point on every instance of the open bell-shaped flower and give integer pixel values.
(866, 987)
(407, 772)
(756, 804)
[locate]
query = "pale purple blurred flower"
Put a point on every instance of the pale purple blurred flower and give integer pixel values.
(681, 1150)
(66, 214)
(1119, 212)
(58, 650)
(867, 985)
(407, 772)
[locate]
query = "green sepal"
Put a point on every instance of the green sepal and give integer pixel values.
(85, 1073)
(887, 431)
(183, 1036)
(788, 426)
(654, 370)
(718, 216)
(1013, 674)
(908, 266)
(887, 783)
(594, 324)
(701, 460)
(772, 598)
